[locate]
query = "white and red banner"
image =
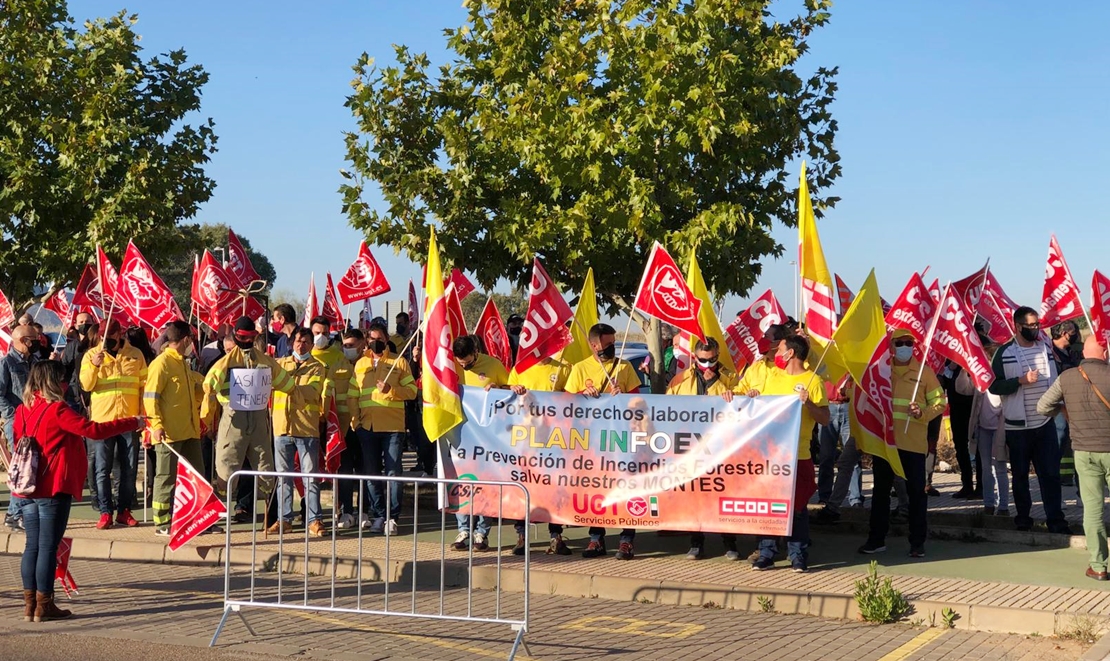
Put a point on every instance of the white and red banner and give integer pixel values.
(1100, 306)
(913, 310)
(955, 338)
(59, 304)
(873, 407)
(7, 315)
(195, 506)
(311, 307)
(455, 317)
(492, 331)
(996, 309)
(545, 331)
(414, 308)
(934, 291)
(214, 295)
(1060, 301)
(744, 335)
(143, 294)
(336, 440)
(843, 294)
(363, 279)
(331, 307)
(238, 262)
(664, 294)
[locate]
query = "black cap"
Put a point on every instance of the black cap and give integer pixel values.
(515, 317)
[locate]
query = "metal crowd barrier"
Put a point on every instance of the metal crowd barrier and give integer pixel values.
(331, 599)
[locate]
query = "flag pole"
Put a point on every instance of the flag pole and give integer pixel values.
(820, 361)
(1086, 315)
(608, 377)
(925, 349)
(402, 351)
(103, 293)
(627, 329)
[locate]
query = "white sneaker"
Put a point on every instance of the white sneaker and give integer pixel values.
(346, 522)
(461, 539)
(694, 553)
(480, 543)
(377, 526)
(364, 521)
(391, 527)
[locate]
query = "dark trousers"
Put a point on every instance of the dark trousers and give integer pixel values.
(597, 534)
(425, 449)
(959, 414)
(914, 466)
(1041, 448)
(697, 539)
(350, 463)
(45, 520)
(124, 447)
(90, 455)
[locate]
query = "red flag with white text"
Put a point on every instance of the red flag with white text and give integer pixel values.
(1100, 306)
(545, 331)
(664, 294)
(971, 288)
(195, 506)
(331, 307)
(955, 338)
(61, 571)
(1060, 301)
(873, 408)
(745, 334)
(843, 294)
(143, 294)
(336, 441)
(996, 309)
(492, 331)
(216, 300)
(59, 304)
(455, 317)
(363, 279)
(7, 315)
(463, 285)
(311, 308)
(239, 262)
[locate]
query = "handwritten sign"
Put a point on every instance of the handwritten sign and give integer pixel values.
(250, 389)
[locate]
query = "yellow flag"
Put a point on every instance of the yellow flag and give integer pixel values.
(585, 316)
(440, 378)
(818, 305)
(707, 317)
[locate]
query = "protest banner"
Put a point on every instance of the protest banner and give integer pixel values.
(628, 461)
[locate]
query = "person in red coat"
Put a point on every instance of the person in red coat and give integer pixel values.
(60, 433)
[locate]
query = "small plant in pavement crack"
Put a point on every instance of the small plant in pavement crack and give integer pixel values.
(877, 599)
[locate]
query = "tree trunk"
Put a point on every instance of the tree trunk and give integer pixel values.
(653, 330)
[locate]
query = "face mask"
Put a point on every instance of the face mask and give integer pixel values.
(1073, 339)
(277, 326)
(188, 351)
(301, 357)
(781, 361)
(470, 366)
(1030, 334)
(608, 353)
(402, 329)
(515, 330)
(351, 353)
(378, 347)
(83, 329)
(111, 344)
(903, 354)
(321, 341)
(244, 345)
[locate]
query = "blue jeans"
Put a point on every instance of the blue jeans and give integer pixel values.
(381, 455)
(836, 431)
(127, 450)
(996, 482)
(285, 449)
(15, 505)
(481, 527)
(797, 544)
(1041, 447)
(45, 520)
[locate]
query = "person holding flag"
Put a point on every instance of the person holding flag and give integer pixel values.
(350, 460)
(592, 376)
(916, 398)
(171, 400)
(237, 392)
(114, 374)
(339, 362)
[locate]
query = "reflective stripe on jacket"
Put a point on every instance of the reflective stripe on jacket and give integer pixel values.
(115, 388)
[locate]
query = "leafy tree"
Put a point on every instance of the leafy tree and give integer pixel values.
(581, 131)
(92, 145)
(279, 296)
(515, 302)
(175, 264)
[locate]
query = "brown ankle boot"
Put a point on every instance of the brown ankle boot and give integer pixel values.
(45, 610)
(28, 605)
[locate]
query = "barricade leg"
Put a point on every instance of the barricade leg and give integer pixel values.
(518, 643)
(223, 621)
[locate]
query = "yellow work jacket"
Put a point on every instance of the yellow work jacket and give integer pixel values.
(337, 384)
(371, 409)
(686, 382)
(930, 397)
(548, 375)
(172, 397)
(756, 376)
(217, 385)
(115, 388)
(299, 412)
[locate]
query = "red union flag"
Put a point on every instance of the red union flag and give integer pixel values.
(913, 310)
(238, 262)
(143, 294)
(336, 441)
(215, 297)
(745, 334)
(88, 294)
(492, 331)
(455, 317)
(545, 331)
(955, 338)
(7, 315)
(331, 307)
(1060, 301)
(664, 295)
(934, 290)
(311, 307)
(971, 287)
(996, 309)
(463, 285)
(363, 279)
(61, 571)
(59, 305)
(873, 410)
(195, 506)
(1100, 306)
(844, 294)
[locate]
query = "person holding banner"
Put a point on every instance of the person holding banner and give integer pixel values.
(707, 376)
(479, 371)
(548, 375)
(60, 433)
(790, 377)
(1023, 371)
(756, 375)
(592, 376)
(917, 397)
(237, 390)
(113, 374)
(171, 400)
(380, 386)
(297, 416)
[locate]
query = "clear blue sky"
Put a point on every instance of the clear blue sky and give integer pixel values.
(967, 130)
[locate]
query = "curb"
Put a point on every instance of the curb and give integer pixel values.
(971, 617)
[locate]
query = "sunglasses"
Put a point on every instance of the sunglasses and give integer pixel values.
(903, 343)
